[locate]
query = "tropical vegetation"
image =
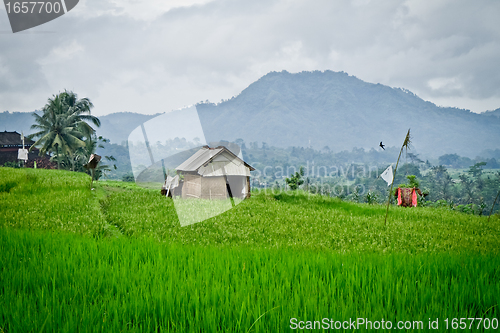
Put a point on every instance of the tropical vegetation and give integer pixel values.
(64, 132)
(355, 176)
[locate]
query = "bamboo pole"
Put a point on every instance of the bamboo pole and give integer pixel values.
(405, 144)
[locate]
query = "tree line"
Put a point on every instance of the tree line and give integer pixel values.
(472, 189)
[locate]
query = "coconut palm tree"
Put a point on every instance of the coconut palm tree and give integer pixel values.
(80, 108)
(62, 126)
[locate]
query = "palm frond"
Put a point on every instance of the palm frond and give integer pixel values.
(91, 118)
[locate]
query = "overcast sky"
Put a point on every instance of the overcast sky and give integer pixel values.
(158, 55)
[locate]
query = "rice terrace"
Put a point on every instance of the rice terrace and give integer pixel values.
(116, 259)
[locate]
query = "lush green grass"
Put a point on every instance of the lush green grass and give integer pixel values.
(116, 259)
(307, 221)
(60, 200)
(49, 200)
(65, 283)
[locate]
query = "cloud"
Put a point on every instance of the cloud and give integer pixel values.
(135, 9)
(156, 56)
(448, 84)
(62, 53)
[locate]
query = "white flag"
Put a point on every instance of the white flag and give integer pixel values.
(387, 175)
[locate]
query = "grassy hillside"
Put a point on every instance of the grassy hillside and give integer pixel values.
(116, 259)
(49, 200)
(61, 200)
(307, 221)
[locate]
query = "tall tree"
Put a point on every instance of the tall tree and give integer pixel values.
(444, 182)
(62, 126)
(477, 172)
(467, 188)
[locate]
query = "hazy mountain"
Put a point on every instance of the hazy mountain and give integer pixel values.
(495, 113)
(16, 121)
(321, 109)
(340, 111)
(115, 126)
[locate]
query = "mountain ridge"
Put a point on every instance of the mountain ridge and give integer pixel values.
(323, 108)
(341, 111)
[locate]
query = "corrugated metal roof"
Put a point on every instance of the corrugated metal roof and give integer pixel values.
(198, 159)
(227, 168)
(206, 155)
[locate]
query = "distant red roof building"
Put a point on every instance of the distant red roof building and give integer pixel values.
(11, 142)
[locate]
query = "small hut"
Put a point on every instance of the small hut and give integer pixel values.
(211, 173)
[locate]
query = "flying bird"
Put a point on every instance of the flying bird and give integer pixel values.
(381, 145)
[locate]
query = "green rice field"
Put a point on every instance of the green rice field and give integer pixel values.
(115, 259)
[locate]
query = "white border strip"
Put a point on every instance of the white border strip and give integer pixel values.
(64, 6)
